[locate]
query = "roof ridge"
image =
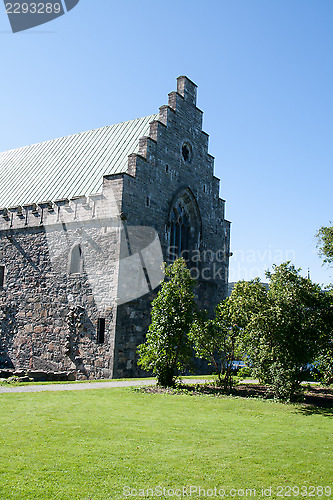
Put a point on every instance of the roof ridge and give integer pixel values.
(78, 133)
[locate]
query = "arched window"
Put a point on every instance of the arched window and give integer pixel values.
(76, 260)
(184, 224)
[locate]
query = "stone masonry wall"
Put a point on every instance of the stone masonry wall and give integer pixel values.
(49, 316)
(158, 174)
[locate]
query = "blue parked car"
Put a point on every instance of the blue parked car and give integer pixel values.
(236, 365)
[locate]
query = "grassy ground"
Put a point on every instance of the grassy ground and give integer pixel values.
(91, 444)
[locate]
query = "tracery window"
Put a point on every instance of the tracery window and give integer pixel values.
(184, 223)
(180, 230)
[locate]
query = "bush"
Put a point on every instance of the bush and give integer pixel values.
(245, 372)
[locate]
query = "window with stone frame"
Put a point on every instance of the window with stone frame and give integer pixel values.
(76, 260)
(184, 226)
(101, 331)
(2, 276)
(180, 230)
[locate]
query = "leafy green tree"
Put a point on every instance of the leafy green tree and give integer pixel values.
(324, 358)
(325, 244)
(248, 308)
(216, 341)
(167, 349)
(204, 335)
(219, 340)
(283, 327)
(301, 320)
(324, 363)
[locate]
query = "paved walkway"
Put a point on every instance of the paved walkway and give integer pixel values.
(75, 387)
(84, 385)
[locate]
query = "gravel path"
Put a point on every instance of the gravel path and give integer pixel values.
(84, 386)
(75, 387)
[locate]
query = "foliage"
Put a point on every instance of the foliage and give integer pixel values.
(284, 327)
(167, 349)
(325, 244)
(324, 359)
(303, 318)
(205, 337)
(324, 364)
(221, 340)
(247, 298)
(245, 372)
(216, 340)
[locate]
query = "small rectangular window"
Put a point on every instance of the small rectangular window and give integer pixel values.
(100, 330)
(2, 276)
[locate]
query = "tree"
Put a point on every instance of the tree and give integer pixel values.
(219, 340)
(325, 244)
(167, 349)
(324, 358)
(216, 341)
(297, 323)
(324, 363)
(248, 306)
(283, 327)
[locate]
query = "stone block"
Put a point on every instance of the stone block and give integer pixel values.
(38, 376)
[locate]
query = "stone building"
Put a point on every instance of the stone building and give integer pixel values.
(85, 223)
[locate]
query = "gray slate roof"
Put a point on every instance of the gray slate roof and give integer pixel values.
(69, 166)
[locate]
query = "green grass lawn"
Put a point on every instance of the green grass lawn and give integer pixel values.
(91, 444)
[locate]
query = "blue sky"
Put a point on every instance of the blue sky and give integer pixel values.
(265, 77)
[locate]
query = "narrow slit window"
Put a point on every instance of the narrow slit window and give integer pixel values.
(2, 276)
(76, 260)
(101, 331)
